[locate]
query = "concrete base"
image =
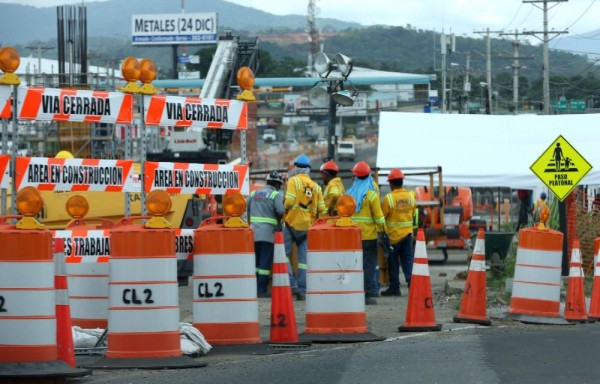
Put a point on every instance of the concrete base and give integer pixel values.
(178, 362)
(531, 319)
(12, 372)
(434, 328)
(486, 322)
(340, 337)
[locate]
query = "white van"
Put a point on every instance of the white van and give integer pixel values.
(346, 150)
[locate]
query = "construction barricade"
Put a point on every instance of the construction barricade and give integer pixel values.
(28, 327)
(225, 304)
(575, 308)
(143, 313)
(536, 285)
(335, 297)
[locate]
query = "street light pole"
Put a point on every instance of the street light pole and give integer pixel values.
(332, 142)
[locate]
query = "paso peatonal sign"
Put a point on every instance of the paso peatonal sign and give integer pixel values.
(561, 167)
(176, 111)
(176, 28)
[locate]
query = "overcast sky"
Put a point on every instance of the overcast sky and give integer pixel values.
(458, 16)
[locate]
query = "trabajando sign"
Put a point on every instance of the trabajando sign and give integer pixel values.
(176, 28)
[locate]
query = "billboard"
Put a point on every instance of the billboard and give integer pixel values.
(176, 28)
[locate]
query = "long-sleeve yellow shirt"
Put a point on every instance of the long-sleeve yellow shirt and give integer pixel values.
(333, 191)
(303, 202)
(398, 208)
(370, 218)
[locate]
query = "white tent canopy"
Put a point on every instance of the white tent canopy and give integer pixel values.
(483, 150)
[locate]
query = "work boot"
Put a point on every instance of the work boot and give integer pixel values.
(391, 292)
(298, 294)
(370, 301)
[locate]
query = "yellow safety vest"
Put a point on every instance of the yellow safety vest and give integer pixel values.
(370, 218)
(303, 202)
(399, 209)
(334, 190)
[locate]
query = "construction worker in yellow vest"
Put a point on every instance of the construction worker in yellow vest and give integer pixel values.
(303, 204)
(398, 206)
(539, 205)
(334, 188)
(370, 219)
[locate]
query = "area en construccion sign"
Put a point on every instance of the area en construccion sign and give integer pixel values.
(216, 179)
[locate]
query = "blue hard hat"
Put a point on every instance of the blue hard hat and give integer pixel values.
(543, 196)
(302, 161)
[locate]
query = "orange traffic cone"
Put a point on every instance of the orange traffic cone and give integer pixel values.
(473, 307)
(575, 303)
(64, 333)
(283, 318)
(595, 301)
(420, 315)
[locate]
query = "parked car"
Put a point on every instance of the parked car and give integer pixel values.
(346, 150)
(269, 135)
(320, 142)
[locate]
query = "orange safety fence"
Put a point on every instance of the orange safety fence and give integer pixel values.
(583, 222)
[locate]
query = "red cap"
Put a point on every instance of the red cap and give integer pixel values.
(361, 169)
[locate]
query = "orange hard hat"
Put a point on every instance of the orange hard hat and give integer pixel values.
(361, 169)
(329, 166)
(395, 174)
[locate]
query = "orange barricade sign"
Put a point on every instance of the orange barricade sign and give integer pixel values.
(5, 103)
(4, 175)
(51, 174)
(214, 179)
(196, 112)
(85, 245)
(55, 104)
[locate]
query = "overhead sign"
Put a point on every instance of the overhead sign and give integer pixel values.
(195, 112)
(561, 167)
(176, 28)
(214, 179)
(4, 175)
(56, 104)
(5, 91)
(52, 174)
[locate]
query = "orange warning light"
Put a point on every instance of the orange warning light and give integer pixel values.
(77, 206)
(147, 71)
(234, 204)
(245, 78)
(346, 206)
(9, 59)
(131, 69)
(158, 203)
(29, 201)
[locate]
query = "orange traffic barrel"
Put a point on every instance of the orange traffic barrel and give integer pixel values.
(536, 284)
(87, 254)
(335, 297)
(594, 312)
(225, 304)
(28, 346)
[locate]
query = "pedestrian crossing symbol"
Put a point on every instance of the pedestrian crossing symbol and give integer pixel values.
(561, 167)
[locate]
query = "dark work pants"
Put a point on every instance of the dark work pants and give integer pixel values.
(403, 251)
(369, 264)
(264, 261)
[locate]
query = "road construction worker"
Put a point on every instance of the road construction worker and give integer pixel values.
(265, 207)
(539, 205)
(398, 207)
(370, 219)
(334, 188)
(303, 204)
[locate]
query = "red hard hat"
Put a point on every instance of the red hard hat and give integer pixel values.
(395, 174)
(361, 169)
(330, 166)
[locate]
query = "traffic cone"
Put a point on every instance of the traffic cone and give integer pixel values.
(575, 304)
(473, 307)
(283, 318)
(64, 333)
(420, 315)
(595, 301)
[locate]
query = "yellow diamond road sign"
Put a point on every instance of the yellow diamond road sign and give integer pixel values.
(561, 167)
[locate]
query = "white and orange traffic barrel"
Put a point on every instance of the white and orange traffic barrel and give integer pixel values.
(28, 346)
(225, 304)
(143, 312)
(594, 312)
(536, 285)
(335, 297)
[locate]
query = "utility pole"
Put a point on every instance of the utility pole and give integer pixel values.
(515, 67)
(445, 40)
(467, 85)
(488, 65)
(40, 50)
(545, 40)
